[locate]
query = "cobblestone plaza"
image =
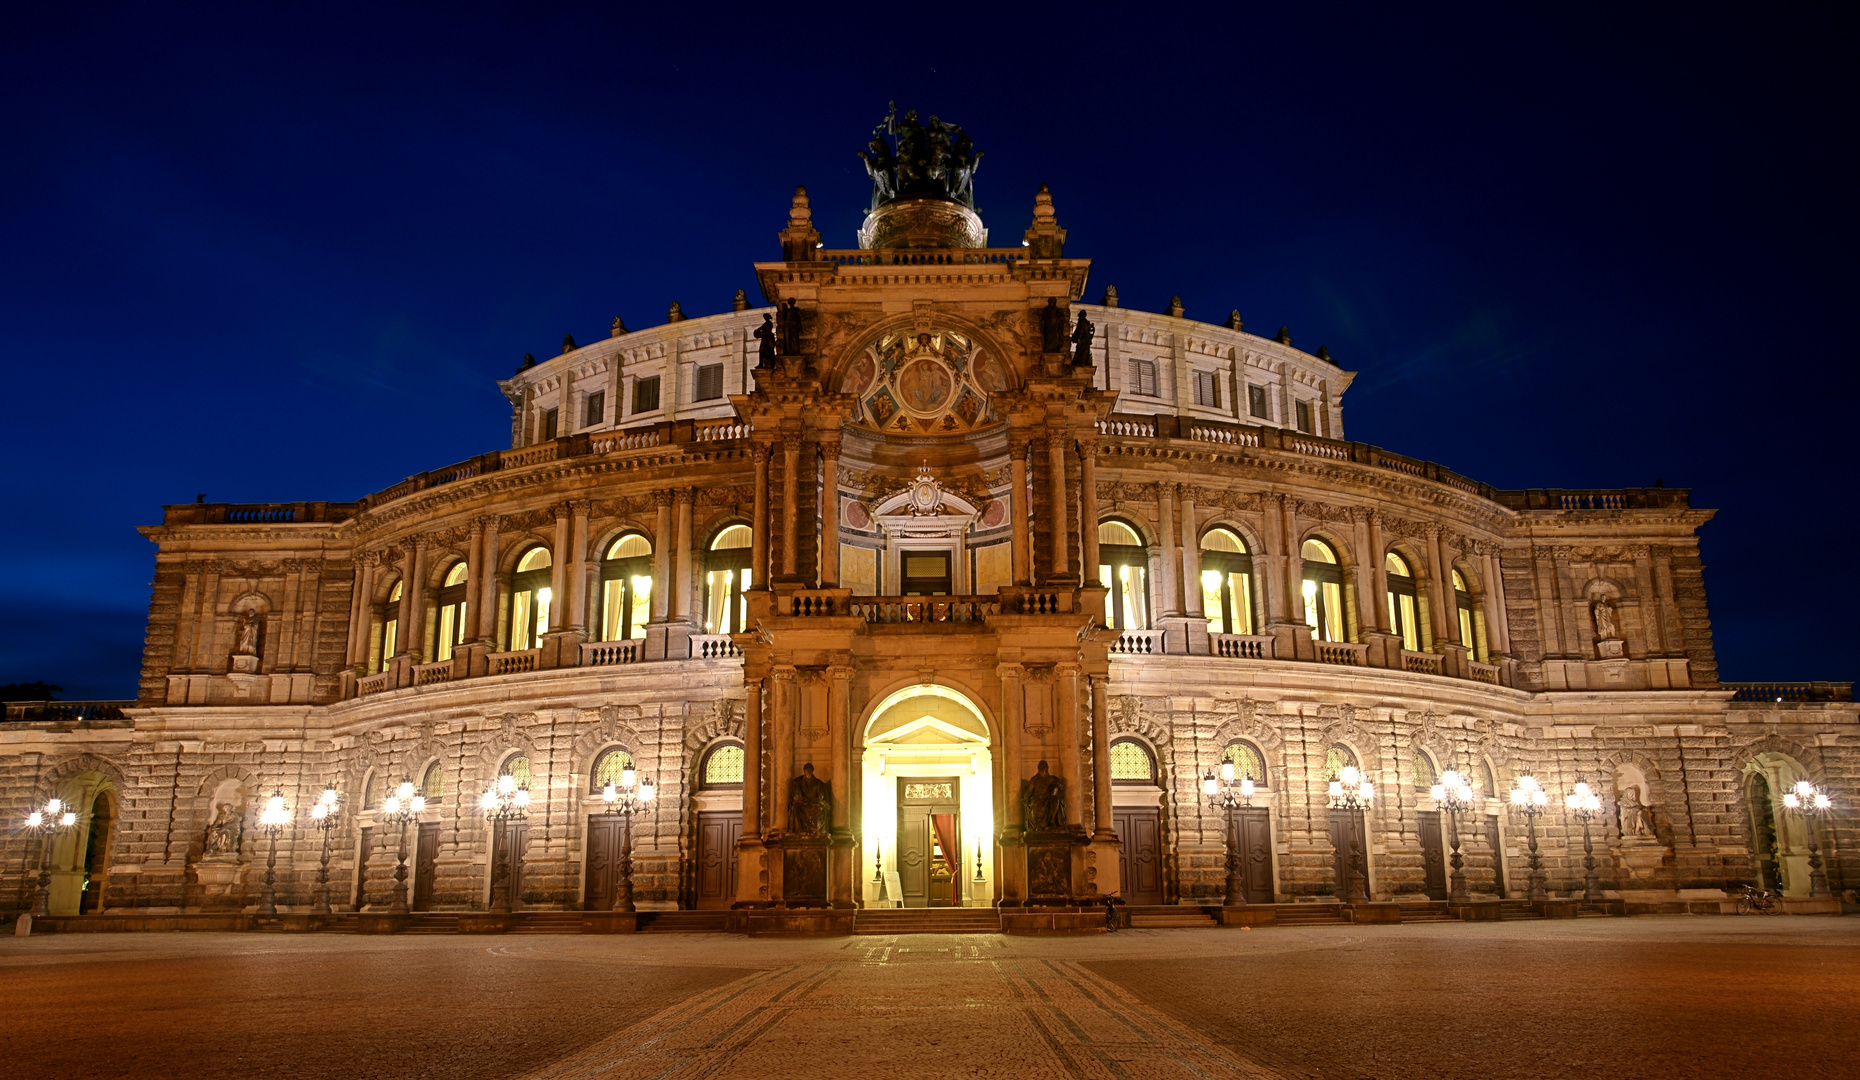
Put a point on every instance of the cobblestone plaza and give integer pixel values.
(1631, 999)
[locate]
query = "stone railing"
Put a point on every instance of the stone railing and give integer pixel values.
(528, 455)
(1342, 652)
(374, 684)
(437, 672)
(1789, 691)
(716, 431)
(65, 712)
(926, 609)
(1139, 643)
(1421, 663)
(920, 256)
(1323, 448)
(604, 653)
(611, 441)
(506, 663)
(1486, 673)
(810, 602)
(1241, 646)
(713, 647)
(1224, 434)
(1026, 600)
(1133, 426)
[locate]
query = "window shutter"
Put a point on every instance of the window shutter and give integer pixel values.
(709, 382)
(1256, 402)
(1207, 391)
(549, 424)
(1304, 417)
(597, 409)
(646, 395)
(1143, 377)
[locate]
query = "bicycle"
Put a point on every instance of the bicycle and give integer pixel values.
(1759, 901)
(1110, 913)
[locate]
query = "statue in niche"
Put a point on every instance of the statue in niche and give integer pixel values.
(1052, 327)
(1081, 342)
(1635, 818)
(788, 328)
(1605, 627)
(810, 802)
(227, 831)
(765, 344)
(245, 637)
(1043, 801)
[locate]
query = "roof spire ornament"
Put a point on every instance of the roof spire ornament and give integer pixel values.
(568, 344)
(618, 328)
(1175, 307)
(740, 302)
(676, 314)
(800, 239)
(923, 185)
(1110, 297)
(1285, 336)
(1233, 319)
(1044, 239)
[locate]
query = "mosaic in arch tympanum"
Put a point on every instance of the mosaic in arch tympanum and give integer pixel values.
(924, 383)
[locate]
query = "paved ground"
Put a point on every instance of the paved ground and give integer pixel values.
(1624, 999)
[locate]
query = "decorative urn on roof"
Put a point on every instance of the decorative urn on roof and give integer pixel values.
(923, 185)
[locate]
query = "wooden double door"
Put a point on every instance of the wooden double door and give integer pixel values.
(1139, 853)
(1350, 854)
(1433, 854)
(606, 842)
(508, 841)
(929, 875)
(425, 865)
(718, 833)
(1252, 839)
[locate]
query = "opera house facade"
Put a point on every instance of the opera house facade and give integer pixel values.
(930, 584)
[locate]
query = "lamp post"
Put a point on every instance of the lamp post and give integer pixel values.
(1220, 794)
(1454, 794)
(53, 819)
(507, 801)
(1529, 798)
(1351, 790)
(272, 819)
(1585, 805)
(403, 806)
(1808, 802)
(323, 816)
(631, 796)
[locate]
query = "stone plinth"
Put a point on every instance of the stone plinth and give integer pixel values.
(1478, 911)
(1052, 921)
(1249, 915)
(609, 922)
(484, 922)
(1373, 912)
(382, 922)
(791, 922)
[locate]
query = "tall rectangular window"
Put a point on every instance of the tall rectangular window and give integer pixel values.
(1304, 418)
(548, 424)
(709, 382)
(1256, 402)
(646, 395)
(1207, 391)
(1143, 377)
(596, 410)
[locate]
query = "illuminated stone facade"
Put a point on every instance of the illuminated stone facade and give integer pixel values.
(934, 543)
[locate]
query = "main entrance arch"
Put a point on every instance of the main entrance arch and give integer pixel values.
(928, 817)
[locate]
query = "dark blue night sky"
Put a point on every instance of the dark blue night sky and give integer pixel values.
(277, 256)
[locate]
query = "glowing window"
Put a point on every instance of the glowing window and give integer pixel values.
(1123, 569)
(607, 770)
(1226, 582)
(536, 558)
(630, 546)
(1424, 774)
(1323, 591)
(456, 575)
(1131, 763)
(1404, 602)
(1336, 759)
(434, 785)
(626, 588)
(736, 536)
(1246, 761)
(724, 766)
(518, 769)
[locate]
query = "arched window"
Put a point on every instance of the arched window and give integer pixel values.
(530, 596)
(1123, 568)
(1226, 582)
(449, 633)
(1491, 782)
(626, 588)
(371, 789)
(433, 785)
(518, 769)
(609, 766)
(1247, 762)
(723, 766)
(1323, 589)
(1404, 603)
(1424, 774)
(390, 628)
(726, 579)
(1131, 763)
(1336, 759)
(1472, 621)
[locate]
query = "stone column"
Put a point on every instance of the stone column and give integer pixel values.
(759, 520)
(487, 575)
(1088, 509)
(1671, 630)
(830, 514)
(561, 567)
(1377, 558)
(790, 495)
(1056, 471)
(752, 761)
(1446, 608)
(577, 575)
(1066, 686)
(1497, 634)
(682, 587)
(1294, 560)
(1169, 604)
(1191, 556)
(1101, 760)
(412, 611)
(1017, 510)
(663, 545)
(1650, 627)
(359, 622)
(1010, 866)
(474, 578)
(845, 852)
(1270, 562)
(781, 733)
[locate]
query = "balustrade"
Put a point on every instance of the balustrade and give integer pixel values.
(604, 653)
(506, 663)
(427, 674)
(1422, 663)
(1796, 691)
(612, 441)
(713, 647)
(716, 432)
(1138, 643)
(1487, 673)
(65, 712)
(938, 609)
(1342, 652)
(528, 455)
(374, 684)
(1241, 646)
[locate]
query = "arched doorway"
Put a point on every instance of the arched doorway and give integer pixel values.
(928, 820)
(96, 853)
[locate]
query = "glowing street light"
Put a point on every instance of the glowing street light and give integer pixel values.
(1454, 794)
(1220, 795)
(1585, 805)
(1808, 802)
(628, 798)
(53, 819)
(402, 807)
(504, 802)
(323, 815)
(1351, 790)
(272, 819)
(1529, 798)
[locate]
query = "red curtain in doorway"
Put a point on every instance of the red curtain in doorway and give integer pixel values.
(945, 826)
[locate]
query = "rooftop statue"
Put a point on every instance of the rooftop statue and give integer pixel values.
(907, 158)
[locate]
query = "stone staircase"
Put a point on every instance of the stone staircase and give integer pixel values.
(1311, 915)
(1517, 909)
(1426, 911)
(1167, 916)
(545, 922)
(927, 921)
(428, 922)
(684, 922)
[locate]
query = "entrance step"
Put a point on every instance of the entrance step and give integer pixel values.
(1425, 912)
(927, 921)
(546, 922)
(1167, 916)
(1517, 909)
(684, 922)
(1310, 914)
(428, 923)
